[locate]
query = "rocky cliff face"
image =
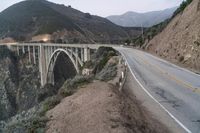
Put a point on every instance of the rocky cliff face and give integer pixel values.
(8, 92)
(179, 42)
(19, 85)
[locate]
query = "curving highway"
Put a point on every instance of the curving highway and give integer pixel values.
(175, 89)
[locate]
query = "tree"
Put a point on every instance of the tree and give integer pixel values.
(87, 15)
(59, 41)
(183, 5)
(128, 41)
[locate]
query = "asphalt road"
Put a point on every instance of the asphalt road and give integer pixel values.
(175, 89)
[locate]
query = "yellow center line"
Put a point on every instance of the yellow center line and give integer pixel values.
(187, 85)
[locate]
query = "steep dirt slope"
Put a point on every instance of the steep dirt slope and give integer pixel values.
(179, 42)
(100, 108)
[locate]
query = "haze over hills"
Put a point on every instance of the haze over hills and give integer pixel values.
(134, 19)
(31, 18)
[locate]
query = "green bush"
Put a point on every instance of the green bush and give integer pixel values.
(70, 86)
(49, 103)
(128, 41)
(181, 59)
(103, 51)
(102, 56)
(108, 73)
(33, 125)
(36, 125)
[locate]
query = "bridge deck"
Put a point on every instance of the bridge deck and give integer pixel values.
(91, 46)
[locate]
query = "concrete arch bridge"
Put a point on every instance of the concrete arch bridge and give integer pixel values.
(46, 55)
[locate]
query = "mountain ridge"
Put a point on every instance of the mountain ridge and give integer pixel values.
(30, 18)
(147, 19)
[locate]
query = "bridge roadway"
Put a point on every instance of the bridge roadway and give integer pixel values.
(174, 89)
(91, 46)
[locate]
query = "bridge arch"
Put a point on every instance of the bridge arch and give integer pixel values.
(45, 55)
(74, 59)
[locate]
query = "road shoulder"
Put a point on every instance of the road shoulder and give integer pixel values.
(133, 89)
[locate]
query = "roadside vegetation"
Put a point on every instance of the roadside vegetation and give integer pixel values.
(181, 8)
(150, 33)
(72, 85)
(103, 55)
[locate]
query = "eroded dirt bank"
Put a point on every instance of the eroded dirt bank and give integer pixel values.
(100, 108)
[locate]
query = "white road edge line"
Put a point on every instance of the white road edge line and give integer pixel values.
(173, 117)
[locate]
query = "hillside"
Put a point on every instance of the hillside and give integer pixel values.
(179, 42)
(30, 18)
(134, 19)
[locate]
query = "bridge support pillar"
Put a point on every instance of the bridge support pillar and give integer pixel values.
(86, 54)
(34, 56)
(82, 54)
(23, 49)
(18, 50)
(76, 53)
(29, 54)
(42, 65)
(71, 51)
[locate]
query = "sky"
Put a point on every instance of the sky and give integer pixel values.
(105, 8)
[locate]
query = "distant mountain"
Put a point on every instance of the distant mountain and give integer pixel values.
(134, 19)
(30, 18)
